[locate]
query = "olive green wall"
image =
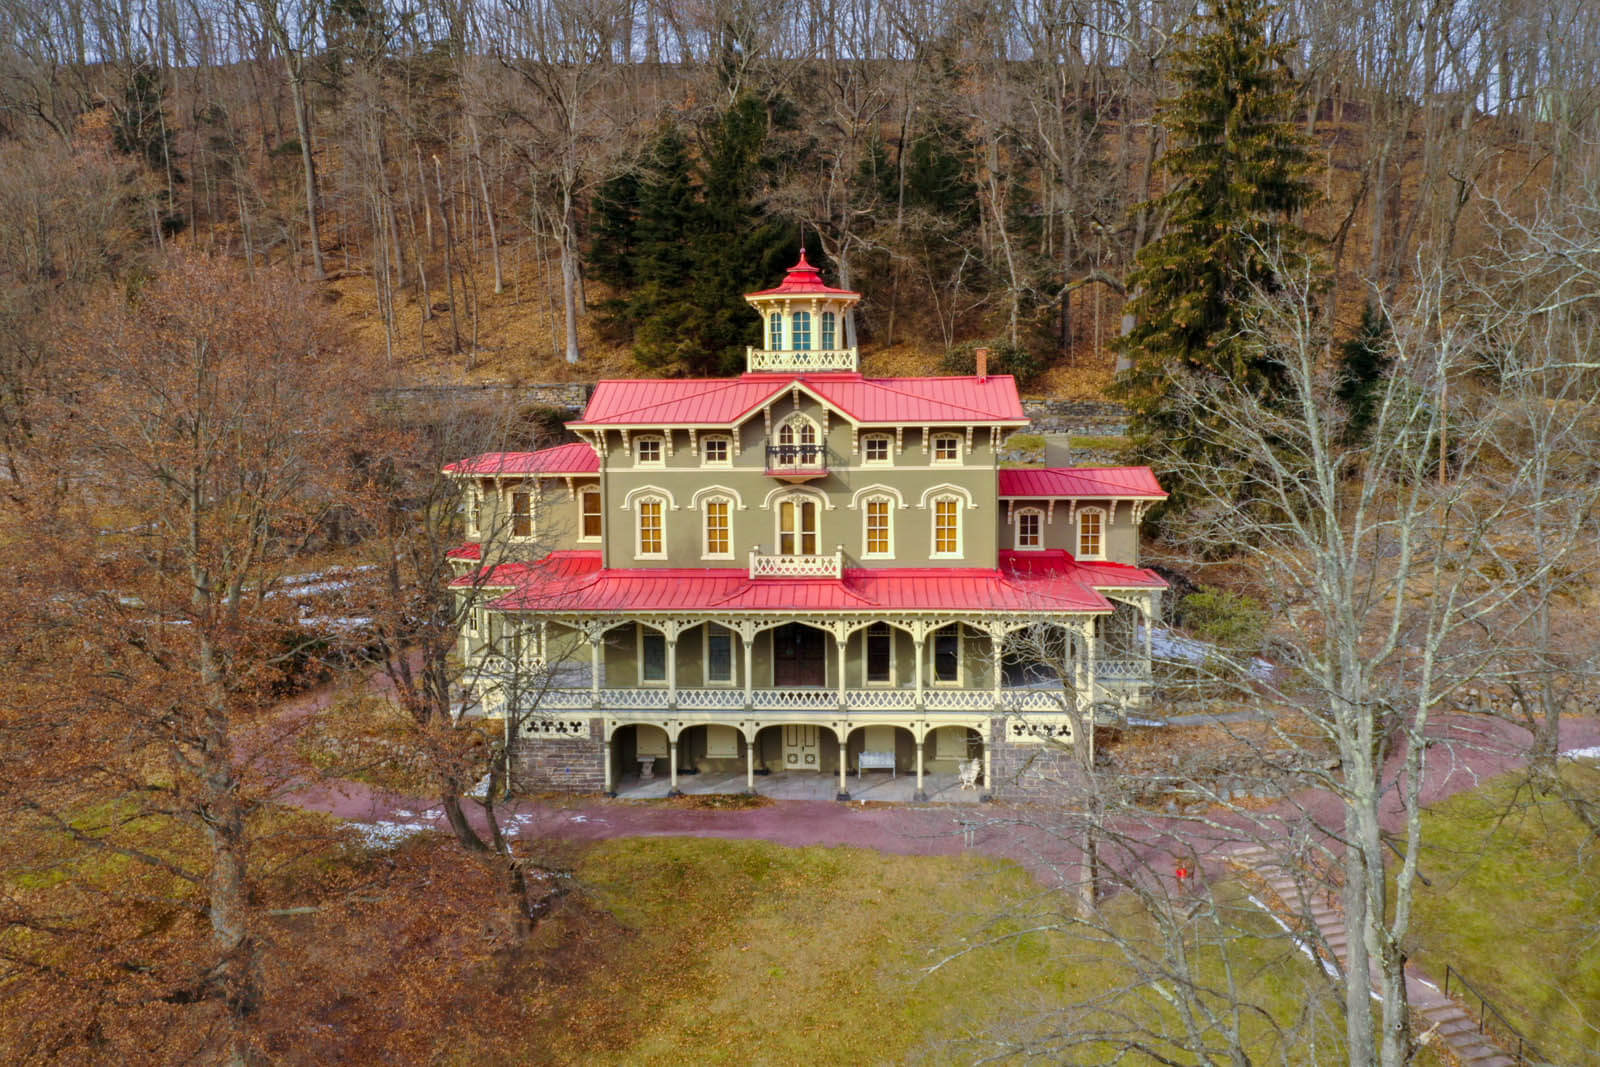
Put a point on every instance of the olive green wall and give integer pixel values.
(1121, 537)
(557, 521)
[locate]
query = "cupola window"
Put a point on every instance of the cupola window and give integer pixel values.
(800, 331)
(775, 331)
(828, 332)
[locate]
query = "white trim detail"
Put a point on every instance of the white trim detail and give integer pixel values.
(649, 490)
(878, 489)
(1038, 533)
(1104, 532)
(796, 490)
(716, 490)
(947, 489)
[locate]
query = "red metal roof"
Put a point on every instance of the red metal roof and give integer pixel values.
(551, 571)
(1052, 583)
(1097, 574)
(726, 401)
(471, 551)
(1081, 481)
(573, 458)
(804, 280)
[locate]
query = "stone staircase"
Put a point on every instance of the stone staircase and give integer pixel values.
(1437, 1019)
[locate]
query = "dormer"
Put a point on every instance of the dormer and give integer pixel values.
(802, 325)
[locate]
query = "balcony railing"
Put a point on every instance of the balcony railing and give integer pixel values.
(797, 461)
(758, 360)
(763, 565)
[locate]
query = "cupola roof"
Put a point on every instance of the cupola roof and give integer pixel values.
(805, 280)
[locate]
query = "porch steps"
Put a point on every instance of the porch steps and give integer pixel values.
(1435, 1017)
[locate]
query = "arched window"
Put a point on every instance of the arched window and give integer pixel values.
(775, 331)
(829, 338)
(877, 520)
(946, 525)
(1030, 529)
(718, 542)
(1091, 533)
(652, 533)
(800, 331)
(589, 521)
(797, 525)
(799, 443)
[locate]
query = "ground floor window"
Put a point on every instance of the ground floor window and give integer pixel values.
(719, 656)
(652, 656)
(880, 654)
(947, 654)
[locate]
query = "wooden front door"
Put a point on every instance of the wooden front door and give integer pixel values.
(799, 657)
(801, 751)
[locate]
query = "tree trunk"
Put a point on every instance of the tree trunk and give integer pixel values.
(302, 125)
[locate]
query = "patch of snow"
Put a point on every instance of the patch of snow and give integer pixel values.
(481, 789)
(1582, 753)
(384, 833)
(578, 818)
(337, 622)
(1164, 644)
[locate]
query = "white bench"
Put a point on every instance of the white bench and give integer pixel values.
(875, 761)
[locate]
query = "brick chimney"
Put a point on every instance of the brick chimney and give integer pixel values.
(983, 364)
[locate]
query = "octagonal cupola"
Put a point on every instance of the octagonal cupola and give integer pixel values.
(803, 324)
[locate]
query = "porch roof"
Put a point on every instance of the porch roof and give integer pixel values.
(576, 457)
(1045, 482)
(573, 583)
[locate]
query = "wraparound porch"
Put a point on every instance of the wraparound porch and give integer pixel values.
(879, 787)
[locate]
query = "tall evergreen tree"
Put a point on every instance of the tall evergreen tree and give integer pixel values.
(1363, 364)
(1238, 167)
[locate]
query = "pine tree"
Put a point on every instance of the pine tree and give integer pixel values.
(613, 229)
(1238, 167)
(1363, 364)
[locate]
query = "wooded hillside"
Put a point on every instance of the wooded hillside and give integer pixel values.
(494, 189)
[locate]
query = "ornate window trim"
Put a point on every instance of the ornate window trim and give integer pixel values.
(1102, 528)
(948, 489)
(891, 500)
(645, 498)
(798, 495)
(959, 550)
(649, 490)
(946, 438)
(529, 489)
(770, 502)
(1037, 515)
(710, 497)
(706, 443)
(716, 490)
(886, 440)
(650, 442)
(472, 508)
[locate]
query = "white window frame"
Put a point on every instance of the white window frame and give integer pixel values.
(509, 498)
(797, 497)
(866, 529)
(894, 676)
(795, 332)
(705, 657)
(1105, 526)
(1034, 513)
(775, 332)
(705, 529)
(961, 657)
(583, 495)
(638, 503)
(933, 526)
(474, 511)
(933, 448)
(660, 443)
(705, 450)
(828, 331)
(644, 631)
(888, 450)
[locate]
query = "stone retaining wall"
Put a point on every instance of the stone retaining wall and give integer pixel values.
(1088, 418)
(564, 764)
(1029, 772)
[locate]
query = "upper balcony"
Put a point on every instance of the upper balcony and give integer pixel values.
(800, 360)
(797, 463)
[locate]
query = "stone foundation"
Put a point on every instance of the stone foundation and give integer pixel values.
(560, 756)
(1029, 772)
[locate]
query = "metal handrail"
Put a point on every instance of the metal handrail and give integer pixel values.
(812, 457)
(1525, 1052)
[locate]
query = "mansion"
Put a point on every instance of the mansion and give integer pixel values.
(801, 570)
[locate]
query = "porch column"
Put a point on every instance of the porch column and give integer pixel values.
(844, 751)
(1089, 655)
(920, 794)
(842, 642)
(610, 790)
(749, 669)
(988, 782)
(672, 760)
(916, 642)
(997, 645)
(1149, 638)
(594, 669)
(750, 765)
(672, 675)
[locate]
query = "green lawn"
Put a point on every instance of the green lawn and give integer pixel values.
(747, 952)
(1515, 906)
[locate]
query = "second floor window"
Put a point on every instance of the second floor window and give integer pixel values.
(1030, 533)
(828, 331)
(800, 331)
(875, 449)
(521, 514)
(1091, 533)
(717, 532)
(946, 526)
(877, 520)
(880, 654)
(589, 509)
(652, 540)
(946, 448)
(947, 655)
(474, 512)
(649, 452)
(716, 452)
(797, 527)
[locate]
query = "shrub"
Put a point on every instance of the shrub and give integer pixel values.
(1229, 620)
